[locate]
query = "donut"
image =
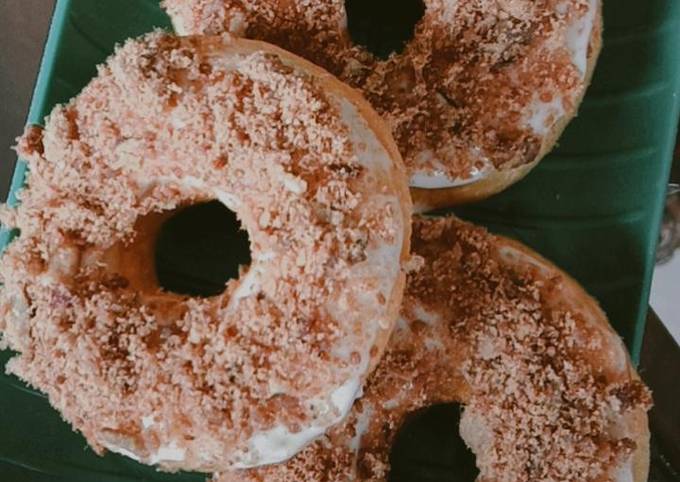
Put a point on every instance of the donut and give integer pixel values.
(476, 93)
(547, 389)
(252, 375)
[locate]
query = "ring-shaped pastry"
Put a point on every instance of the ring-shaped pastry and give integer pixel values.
(248, 377)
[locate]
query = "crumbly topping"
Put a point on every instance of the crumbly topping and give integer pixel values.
(461, 93)
(500, 336)
(166, 123)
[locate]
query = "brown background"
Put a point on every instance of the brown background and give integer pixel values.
(23, 25)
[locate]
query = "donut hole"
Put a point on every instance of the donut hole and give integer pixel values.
(428, 448)
(199, 249)
(383, 27)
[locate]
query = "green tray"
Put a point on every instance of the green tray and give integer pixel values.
(593, 207)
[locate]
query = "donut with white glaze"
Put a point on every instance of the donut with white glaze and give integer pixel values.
(248, 377)
(476, 98)
(548, 390)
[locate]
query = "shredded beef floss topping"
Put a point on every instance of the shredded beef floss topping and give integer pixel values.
(480, 85)
(546, 399)
(170, 122)
(485, 326)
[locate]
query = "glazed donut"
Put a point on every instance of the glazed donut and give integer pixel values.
(548, 391)
(248, 377)
(479, 94)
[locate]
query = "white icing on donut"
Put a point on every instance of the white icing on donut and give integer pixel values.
(122, 451)
(148, 421)
(238, 23)
(178, 23)
(276, 445)
(624, 473)
(578, 37)
(368, 150)
(362, 425)
(437, 178)
(164, 454)
(280, 444)
(250, 284)
(422, 314)
(544, 115)
(448, 9)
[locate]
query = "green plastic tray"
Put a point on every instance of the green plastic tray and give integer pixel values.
(593, 207)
